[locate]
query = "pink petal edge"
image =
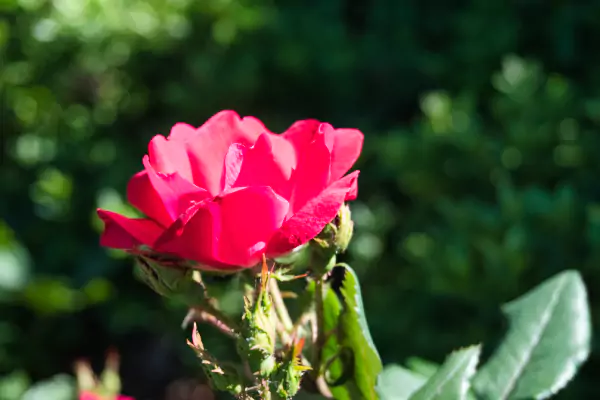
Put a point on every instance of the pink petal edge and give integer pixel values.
(305, 224)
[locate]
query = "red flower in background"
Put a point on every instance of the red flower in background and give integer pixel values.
(230, 191)
(94, 396)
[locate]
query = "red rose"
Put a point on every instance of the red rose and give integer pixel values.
(93, 396)
(230, 191)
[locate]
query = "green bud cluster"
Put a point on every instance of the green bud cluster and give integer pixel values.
(108, 385)
(336, 235)
(256, 341)
(276, 368)
(286, 380)
(332, 240)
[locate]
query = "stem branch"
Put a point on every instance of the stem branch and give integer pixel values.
(320, 325)
(209, 316)
(280, 307)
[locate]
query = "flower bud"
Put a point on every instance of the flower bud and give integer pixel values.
(333, 239)
(171, 278)
(345, 228)
(105, 388)
(286, 381)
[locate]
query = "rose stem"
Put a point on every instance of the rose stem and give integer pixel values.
(280, 307)
(202, 315)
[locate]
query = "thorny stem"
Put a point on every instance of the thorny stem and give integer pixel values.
(210, 316)
(285, 327)
(283, 333)
(304, 319)
(320, 324)
(321, 339)
(280, 307)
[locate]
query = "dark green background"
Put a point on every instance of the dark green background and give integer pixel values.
(479, 173)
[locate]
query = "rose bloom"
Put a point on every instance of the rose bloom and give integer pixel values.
(231, 191)
(94, 396)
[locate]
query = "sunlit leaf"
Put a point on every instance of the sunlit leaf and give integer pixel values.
(451, 381)
(353, 360)
(549, 337)
(398, 383)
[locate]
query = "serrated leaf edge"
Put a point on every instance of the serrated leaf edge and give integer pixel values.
(569, 276)
(466, 355)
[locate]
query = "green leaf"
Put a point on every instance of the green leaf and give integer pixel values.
(13, 386)
(451, 381)
(421, 366)
(398, 383)
(336, 370)
(353, 363)
(549, 337)
(59, 387)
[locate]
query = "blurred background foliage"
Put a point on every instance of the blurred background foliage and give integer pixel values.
(480, 173)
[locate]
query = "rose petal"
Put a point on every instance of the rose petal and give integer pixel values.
(125, 233)
(249, 217)
(312, 174)
(210, 145)
(300, 134)
(305, 224)
(175, 193)
(182, 132)
(259, 166)
(142, 195)
(230, 232)
(353, 192)
(232, 165)
(347, 145)
(284, 153)
(170, 155)
(194, 235)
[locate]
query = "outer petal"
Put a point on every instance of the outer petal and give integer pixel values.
(175, 192)
(249, 218)
(208, 148)
(228, 233)
(170, 155)
(161, 196)
(142, 195)
(347, 145)
(125, 233)
(305, 224)
(300, 134)
(312, 174)
(195, 235)
(353, 192)
(182, 132)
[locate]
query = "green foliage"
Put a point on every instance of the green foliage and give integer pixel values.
(352, 361)
(398, 383)
(451, 381)
(478, 181)
(549, 338)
